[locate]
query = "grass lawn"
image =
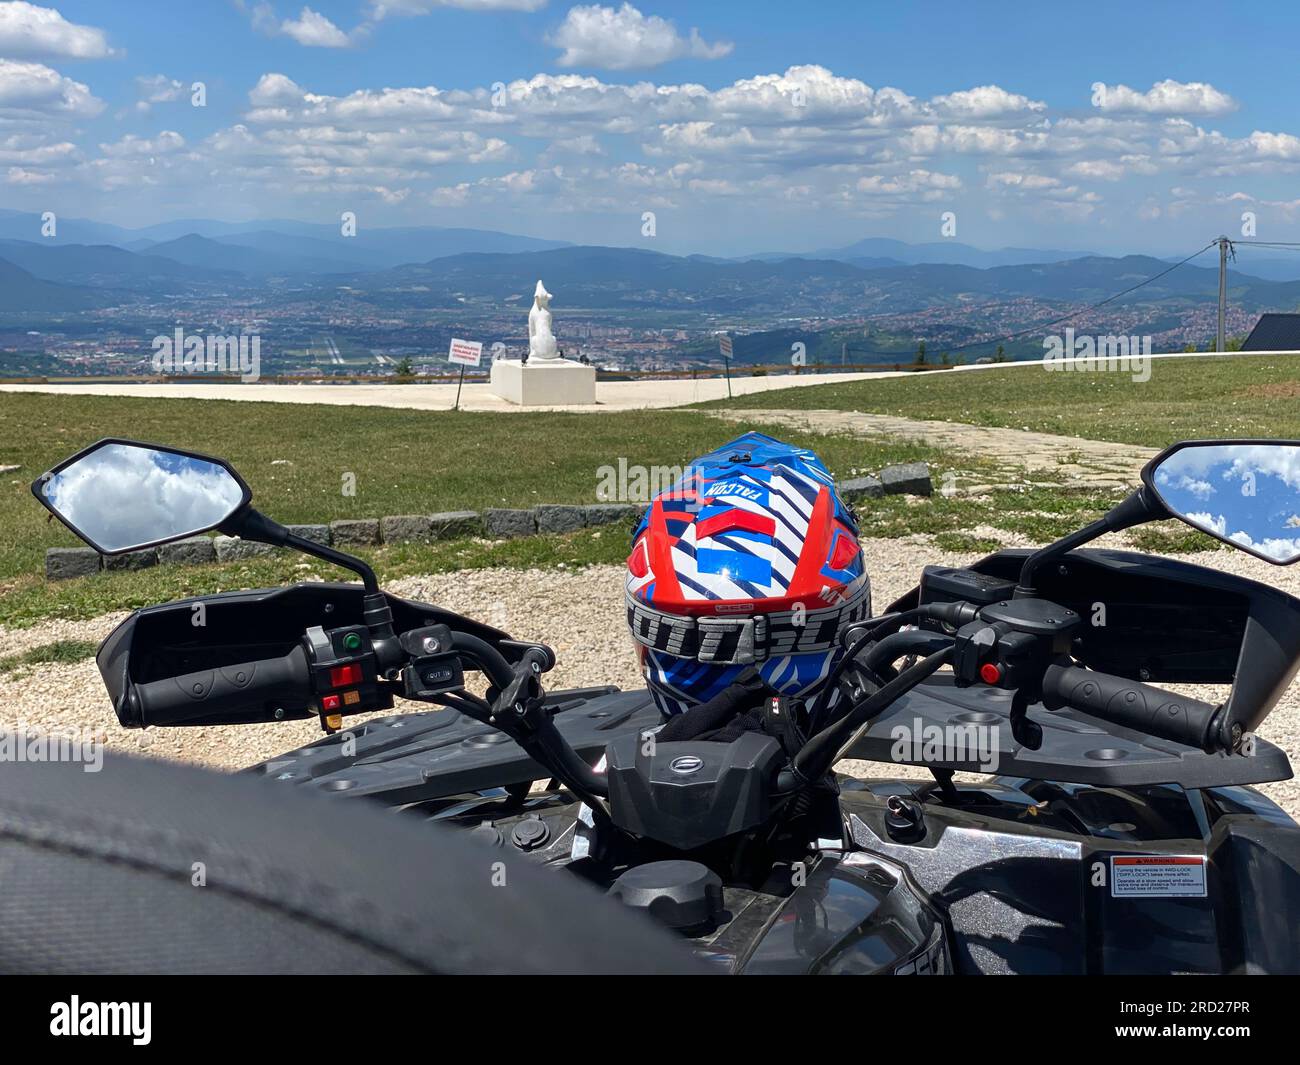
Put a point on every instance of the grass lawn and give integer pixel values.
(30, 599)
(419, 462)
(1184, 399)
(1041, 513)
(298, 458)
(59, 651)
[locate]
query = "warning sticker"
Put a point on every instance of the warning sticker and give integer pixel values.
(1162, 876)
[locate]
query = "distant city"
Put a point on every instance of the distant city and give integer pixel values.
(90, 299)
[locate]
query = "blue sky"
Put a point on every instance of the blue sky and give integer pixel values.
(741, 126)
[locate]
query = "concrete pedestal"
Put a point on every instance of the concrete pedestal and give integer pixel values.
(544, 383)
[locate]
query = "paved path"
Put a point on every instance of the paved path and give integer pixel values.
(610, 395)
(1080, 462)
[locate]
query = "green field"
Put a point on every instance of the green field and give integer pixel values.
(298, 460)
(1184, 399)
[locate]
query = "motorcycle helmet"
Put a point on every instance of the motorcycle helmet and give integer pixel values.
(750, 559)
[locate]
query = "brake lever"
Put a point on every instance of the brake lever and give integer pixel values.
(1027, 733)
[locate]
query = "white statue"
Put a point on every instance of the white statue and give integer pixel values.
(541, 341)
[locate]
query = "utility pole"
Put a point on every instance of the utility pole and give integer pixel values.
(1224, 244)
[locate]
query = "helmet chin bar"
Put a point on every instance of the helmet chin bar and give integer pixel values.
(747, 639)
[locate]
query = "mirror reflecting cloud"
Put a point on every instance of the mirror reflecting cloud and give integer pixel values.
(1246, 494)
(122, 496)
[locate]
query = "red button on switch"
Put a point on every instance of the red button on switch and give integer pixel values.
(329, 702)
(989, 673)
(341, 676)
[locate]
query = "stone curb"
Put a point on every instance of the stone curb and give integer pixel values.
(62, 563)
(904, 478)
(907, 478)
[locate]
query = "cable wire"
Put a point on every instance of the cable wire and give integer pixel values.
(1084, 310)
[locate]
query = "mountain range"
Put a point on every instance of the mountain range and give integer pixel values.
(277, 245)
(624, 277)
(91, 264)
(876, 252)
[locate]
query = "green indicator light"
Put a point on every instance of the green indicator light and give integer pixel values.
(352, 641)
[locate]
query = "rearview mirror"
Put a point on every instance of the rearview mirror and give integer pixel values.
(119, 495)
(1244, 492)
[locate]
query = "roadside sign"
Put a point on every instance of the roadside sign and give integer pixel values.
(465, 352)
(724, 346)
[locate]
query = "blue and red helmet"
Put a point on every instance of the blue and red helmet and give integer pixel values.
(749, 559)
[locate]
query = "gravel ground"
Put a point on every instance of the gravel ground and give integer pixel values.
(578, 612)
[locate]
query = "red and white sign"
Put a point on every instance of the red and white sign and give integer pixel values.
(724, 346)
(465, 352)
(1157, 876)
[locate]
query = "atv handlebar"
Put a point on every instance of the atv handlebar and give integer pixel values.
(1133, 705)
(268, 689)
(194, 697)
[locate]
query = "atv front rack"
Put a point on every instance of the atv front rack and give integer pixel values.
(409, 758)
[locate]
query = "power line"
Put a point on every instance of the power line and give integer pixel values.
(1091, 307)
(1290, 246)
(1109, 299)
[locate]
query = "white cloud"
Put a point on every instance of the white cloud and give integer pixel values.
(380, 9)
(815, 95)
(36, 89)
(1166, 97)
(17, 175)
(159, 89)
(1099, 169)
(28, 31)
(1285, 146)
(786, 141)
(156, 89)
(928, 140)
(273, 89)
(1212, 523)
(804, 129)
(1009, 179)
(986, 101)
(451, 195)
(915, 181)
(32, 151)
(586, 144)
(313, 30)
(625, 39)
(131, 145)
(1044, 194)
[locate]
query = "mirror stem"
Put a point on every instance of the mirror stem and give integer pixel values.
(252, 524)
(1136, 509)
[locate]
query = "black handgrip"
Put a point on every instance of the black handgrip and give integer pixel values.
(1133, 705)
(224, 695)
